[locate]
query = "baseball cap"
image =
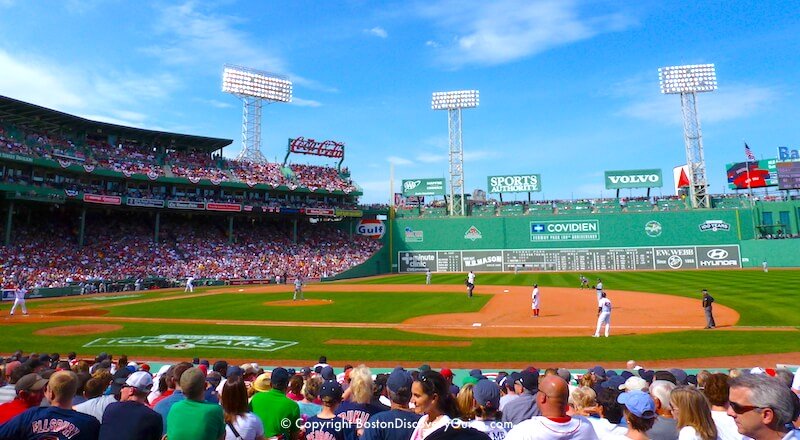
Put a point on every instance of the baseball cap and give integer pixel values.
(220, 367)
(613, 382)
(446, 373)
(665, 375)
(634, 383)
(647, 374)
(331, 388)
(529, 380)
(326, 373)
(305, 371)
(476, 372)
(639, 404)
(214, 378)
(487, 393)
(626, 374)
(679, 374)
(598, 371)
(399, 378)
(512, 379)
(234, 370)
(323, 360)
(279, 377)
(469, 379)
(424, 368)
(30, 382)
(141, 380)
(564, 374)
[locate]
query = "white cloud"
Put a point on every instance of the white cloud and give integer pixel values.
(82, 90)
(378, 32)
(500, 31)
(215, 103)
(431, 158)
(732, 102)
(300, 102)
(184, 31)
(431, 43)
(399, 160)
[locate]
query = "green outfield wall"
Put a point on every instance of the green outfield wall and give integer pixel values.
(622, 241)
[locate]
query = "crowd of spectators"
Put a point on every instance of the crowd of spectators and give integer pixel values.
(44, 252)
(107, 399)
(130, 158)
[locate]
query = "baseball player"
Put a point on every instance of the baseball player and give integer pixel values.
(764, 265)
(707, 301)
(189, 284)
(603, 314)
(428, 276)
(599, 289)
(470, 283)
(584, 282)
(535, 301)
(298, 288)
(19, 300)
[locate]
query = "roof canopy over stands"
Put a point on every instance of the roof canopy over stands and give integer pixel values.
(45, 119)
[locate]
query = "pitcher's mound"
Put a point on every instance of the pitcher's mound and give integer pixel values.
(299, 303)
(77, 330)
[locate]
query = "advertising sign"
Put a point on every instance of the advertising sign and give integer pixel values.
(225, 207)
(323, 212)
(348, 212)
(565, 230)
(416, 261)
(423, 187)
(788, 175)
(786, 153)
(196, 206)
(482, 260)
(372, 228)
(514, 184)
(634, 179)
(200, 342)
(412, 236)
(674, 258)
(714, 257)
(756, 174)
(145, 203)
(103, 200)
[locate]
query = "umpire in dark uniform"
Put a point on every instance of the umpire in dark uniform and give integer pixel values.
(707, 301)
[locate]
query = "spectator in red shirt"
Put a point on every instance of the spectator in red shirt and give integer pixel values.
(30, 392)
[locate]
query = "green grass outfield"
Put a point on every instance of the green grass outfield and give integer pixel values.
(768, 300)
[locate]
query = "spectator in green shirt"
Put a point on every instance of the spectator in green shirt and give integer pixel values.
(279, 413)
(192, 418)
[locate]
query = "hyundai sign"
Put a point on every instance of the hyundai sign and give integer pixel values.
(634, 179)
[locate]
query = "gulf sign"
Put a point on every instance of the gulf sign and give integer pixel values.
(371, 228)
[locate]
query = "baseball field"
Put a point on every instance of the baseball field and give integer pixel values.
(657, 318)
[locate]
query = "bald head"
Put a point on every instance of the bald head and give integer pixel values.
(553, 396)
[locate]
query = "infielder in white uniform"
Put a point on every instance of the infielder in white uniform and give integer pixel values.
(764, 265)
(189, 285)
(19, 300)
(535, 300)
(470, 283)
(428, 276)
(599, 289)
(298, 288)
(603, 315)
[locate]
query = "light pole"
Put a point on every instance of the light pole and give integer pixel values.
(688, 81)
(254, 87)
(453, 102)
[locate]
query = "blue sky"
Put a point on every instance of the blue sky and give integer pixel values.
(568, 88)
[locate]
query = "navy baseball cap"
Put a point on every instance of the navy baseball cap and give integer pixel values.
(327, 373)
(399, 378)
(279, 377)
(476, 372)
(529, 380)
(598, 371)
(613, 382)
(329, 388)
(487, 393)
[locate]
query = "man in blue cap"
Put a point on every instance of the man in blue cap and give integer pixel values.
(524, 407)
(398, 423)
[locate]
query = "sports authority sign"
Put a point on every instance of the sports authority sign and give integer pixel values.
(565, 230)
(423, 187)
(634, 179)
(372, 228)
(187, 342)
(513, 184)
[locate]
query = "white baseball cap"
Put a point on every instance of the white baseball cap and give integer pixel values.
(634, 383)
(141, 380)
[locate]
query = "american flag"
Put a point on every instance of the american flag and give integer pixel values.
(748, 152)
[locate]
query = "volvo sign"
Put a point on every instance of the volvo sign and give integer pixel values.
(634, 179)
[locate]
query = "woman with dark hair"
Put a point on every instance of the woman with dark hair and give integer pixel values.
(240, 422)
(432, 398)
(295, 389)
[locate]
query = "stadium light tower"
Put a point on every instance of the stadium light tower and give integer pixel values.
(688, 81)
(254, 87)
(453, 102)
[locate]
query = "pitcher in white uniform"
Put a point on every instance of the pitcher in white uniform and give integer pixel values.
(535, 300)
(19, 300)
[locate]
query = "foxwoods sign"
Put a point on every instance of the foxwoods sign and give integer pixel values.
(515, 183)
(634, 179)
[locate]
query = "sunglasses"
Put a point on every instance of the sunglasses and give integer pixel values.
(741, 409)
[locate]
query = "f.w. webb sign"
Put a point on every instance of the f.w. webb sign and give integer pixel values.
(515, 183)
(634, 179)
